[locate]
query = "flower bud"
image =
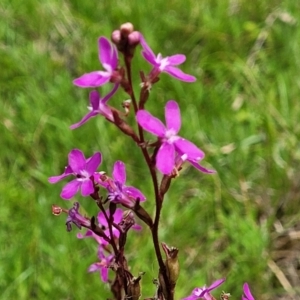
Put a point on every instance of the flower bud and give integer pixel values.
(134, 38)
(116, 36)
(126, 29)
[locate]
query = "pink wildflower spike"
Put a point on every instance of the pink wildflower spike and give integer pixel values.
(98, 107)
(204, 292)
(108, 57)
(171, 142)
(247, 293)
(83, 169)
(165, 64)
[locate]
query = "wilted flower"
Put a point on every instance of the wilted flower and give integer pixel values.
(76, 218)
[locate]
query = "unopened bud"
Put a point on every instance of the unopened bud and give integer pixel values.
(126, 106)
(126, 29)
(116, 37)
(134, 38)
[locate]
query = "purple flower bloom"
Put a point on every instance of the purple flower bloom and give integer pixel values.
(118, 192)
(165, 64)
(108, 57)
(76, 218)
(204, 292)
(171, 142)
(102, 265)
(98, 107)
(247, 293)
(83, 169)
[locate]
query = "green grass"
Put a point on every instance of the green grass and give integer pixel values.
(244, 114)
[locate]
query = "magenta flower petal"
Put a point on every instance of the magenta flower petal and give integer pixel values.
(94, 267)
(150, 123)
(247, 292)
(87, 188)
(176, 59)
(110, 94)
(178, 74)
(55, 179)
(76, 160)
(70, 189)
(165, 158)
(147, 52)
(93, 163)
(94, 99)
(134, 193)
(215, 284)
(107, 54)
(92, 79)
(89, 233)
(118, 215)
(84, 120)
(184, 146)
(172, 114)
(201, 168)
(104, 274)
(119, 172)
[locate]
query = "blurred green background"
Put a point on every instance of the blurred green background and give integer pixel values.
(241, 223)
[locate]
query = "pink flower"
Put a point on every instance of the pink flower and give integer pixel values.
(118, 192)
(171, 143)
(165, 64)
(108, 57)
(102, 265)
(83, 169)
(98, 107)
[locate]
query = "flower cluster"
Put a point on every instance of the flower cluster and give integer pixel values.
(110, 193)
